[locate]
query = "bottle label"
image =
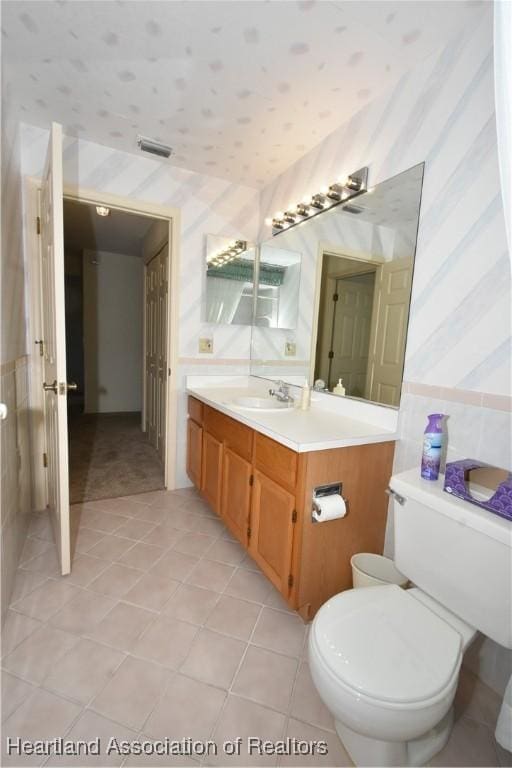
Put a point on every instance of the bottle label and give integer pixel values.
(431, 459)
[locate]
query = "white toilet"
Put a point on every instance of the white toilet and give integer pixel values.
(385, 660)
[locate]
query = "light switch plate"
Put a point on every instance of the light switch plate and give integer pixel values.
(206, 345)
(290, 348)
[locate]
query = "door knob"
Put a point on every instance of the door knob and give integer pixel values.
(72, 386)
(50, 387)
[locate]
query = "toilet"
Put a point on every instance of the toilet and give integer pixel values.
(385, 660)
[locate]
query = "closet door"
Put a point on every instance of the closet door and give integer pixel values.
(161, 375)
(151, 308)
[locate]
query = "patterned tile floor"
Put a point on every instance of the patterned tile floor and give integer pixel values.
(166, 628)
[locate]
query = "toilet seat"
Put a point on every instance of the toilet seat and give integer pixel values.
(387, 646)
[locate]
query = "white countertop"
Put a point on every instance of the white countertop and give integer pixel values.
(316, 429)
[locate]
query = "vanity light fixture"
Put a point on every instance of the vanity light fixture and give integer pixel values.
(102, 210)
(230, 253)
(330, 196)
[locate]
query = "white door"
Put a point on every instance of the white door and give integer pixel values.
(351, 333)
(156, 310)
(389, 333)
(54, 346)
(163, 258)
(151, 310)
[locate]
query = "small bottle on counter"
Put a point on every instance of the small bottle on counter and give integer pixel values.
(339, 389)
(305, 401)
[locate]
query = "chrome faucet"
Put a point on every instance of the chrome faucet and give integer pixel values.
(282, 393)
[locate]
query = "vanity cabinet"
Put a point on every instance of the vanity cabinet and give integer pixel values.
(263, 490)
(211, 474)
(236, 495)
(194, 451)
(273, 517)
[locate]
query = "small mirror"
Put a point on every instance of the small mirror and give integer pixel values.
(229, 281)
(277, 302)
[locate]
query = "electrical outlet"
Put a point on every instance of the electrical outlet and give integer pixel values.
(290, 348)
(206, 345)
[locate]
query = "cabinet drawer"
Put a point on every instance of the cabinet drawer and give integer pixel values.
(276, 461)
(234, 435)
(195, 409)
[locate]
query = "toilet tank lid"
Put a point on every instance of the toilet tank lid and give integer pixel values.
(430, 493)
(386, 645)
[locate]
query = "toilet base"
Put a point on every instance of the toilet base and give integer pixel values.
(374, 752)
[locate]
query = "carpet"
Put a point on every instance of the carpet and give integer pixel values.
(110, 456)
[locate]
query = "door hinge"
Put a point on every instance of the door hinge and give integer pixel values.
(335, 297)
(249, 532)
(251, 480)
(38, 225)
(294, 516)
(45, 460)
(330, 355)
(41, 347)
(168, 371)
(290, 580)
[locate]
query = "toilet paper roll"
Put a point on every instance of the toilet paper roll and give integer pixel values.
(329, 508)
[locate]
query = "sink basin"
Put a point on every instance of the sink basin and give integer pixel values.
(260, 404)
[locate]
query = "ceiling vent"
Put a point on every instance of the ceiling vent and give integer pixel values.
(153, 147)
(356, 209)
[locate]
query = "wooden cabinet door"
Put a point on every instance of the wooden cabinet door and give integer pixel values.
(194, 452)
(236, 494)
(272, 523)
(211, 478)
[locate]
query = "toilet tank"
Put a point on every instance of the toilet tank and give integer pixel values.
(458, 553)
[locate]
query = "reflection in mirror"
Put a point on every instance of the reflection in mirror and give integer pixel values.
(354, 295)
(277, 302)
(229, 281)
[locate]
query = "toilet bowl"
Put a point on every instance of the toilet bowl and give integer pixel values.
(386, 662)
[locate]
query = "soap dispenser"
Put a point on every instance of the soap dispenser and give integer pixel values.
(339, 389)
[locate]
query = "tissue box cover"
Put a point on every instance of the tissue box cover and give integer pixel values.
(455, 482)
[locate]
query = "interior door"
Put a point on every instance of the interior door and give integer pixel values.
(151, 309)
(387, 345)
(163, 292)
(54, 346)
(351, 332)
(156, 309)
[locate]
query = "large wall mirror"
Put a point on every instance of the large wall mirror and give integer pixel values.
(229, 281)
(353, 297)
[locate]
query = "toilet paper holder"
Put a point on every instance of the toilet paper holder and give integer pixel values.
(331, 489)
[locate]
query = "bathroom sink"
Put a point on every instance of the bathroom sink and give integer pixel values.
(260, 404)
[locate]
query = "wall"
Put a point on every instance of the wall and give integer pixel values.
(14, 451)
(458, 348)
(113, 306)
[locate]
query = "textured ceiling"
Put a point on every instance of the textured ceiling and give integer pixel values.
(239, 89)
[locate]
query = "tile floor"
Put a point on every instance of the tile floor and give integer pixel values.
(166, 628)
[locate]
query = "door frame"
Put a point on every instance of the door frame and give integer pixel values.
(33, 246)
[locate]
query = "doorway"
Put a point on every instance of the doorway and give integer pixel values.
(110, 258)
(347, 300)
